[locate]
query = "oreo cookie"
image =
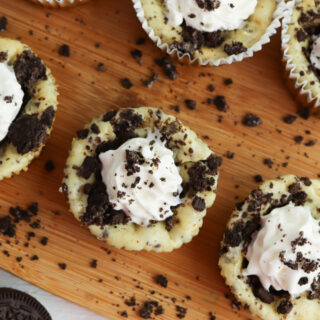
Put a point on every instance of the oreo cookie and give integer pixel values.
(17, 305)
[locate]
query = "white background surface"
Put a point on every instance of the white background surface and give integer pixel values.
(58, 308)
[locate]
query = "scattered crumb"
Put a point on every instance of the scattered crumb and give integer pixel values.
(64, 50)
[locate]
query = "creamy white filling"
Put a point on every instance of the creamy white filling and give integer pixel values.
(11, 97)
(279, 253)
(229, 14)
(145, 190)
(315, 53)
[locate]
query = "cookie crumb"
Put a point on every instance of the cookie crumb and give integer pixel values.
(162, 281)
(3, 23)
(289, 119)
(62, 266)
(94, 263)
(49, 166)
(228, 81)
(258, 178)
(251, 120)
(168, 67)
(64, 50)
(220, 102)
(149, 83)
(181, 312)
(191, 104)
(101, 67)
(126, 83)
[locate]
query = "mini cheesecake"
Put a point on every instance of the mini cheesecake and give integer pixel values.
(270, 253)
(28, 103)
(208, 29)
(301, 49)
(140, 180)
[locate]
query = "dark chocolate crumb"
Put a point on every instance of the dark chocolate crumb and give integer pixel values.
(289, 119)
(168, 67)
(298, 139)
(191, 104)
(137, 55)
(230, 155)
(220, 102)
(228, 81)
(64, 50)
(126, 83)
(268, 162)
(3, 23)
(310, 143)
(258, 178)
(181, 312)
(251, 120)
(44, 241)
(94, 263)
(101, 67)
(146, 311)
(7, 228)
(235, 47)
(162, 280)
(159, 310)
(49, 165)
(62, 266)
(175, 108)
(235, 304)
(149, 83)
(130, 302)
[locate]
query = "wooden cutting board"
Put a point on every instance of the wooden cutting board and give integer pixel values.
(85, 93)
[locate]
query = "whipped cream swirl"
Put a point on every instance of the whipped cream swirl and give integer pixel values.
(210, 15)
(11, 97)
(315, 53)
(142, 179)
(285, 253)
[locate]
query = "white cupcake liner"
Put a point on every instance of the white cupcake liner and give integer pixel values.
(271, 30)
(298, 86)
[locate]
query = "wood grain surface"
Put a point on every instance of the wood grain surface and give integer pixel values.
(85, 93)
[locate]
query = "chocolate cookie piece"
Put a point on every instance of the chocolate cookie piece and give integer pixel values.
(235, 47)
(3, 23)
(168, 67)
(29, 69)
(27, 133)
(17, 305)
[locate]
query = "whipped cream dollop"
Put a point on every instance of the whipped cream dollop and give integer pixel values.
(11, 97)
(210, 15)
(285, 253)
(315, 53)
(142, 179)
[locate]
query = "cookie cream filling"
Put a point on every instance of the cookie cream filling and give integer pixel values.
(315, 53)
(285, 253)
(142, 179)
(11, 98)
(210, 15)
